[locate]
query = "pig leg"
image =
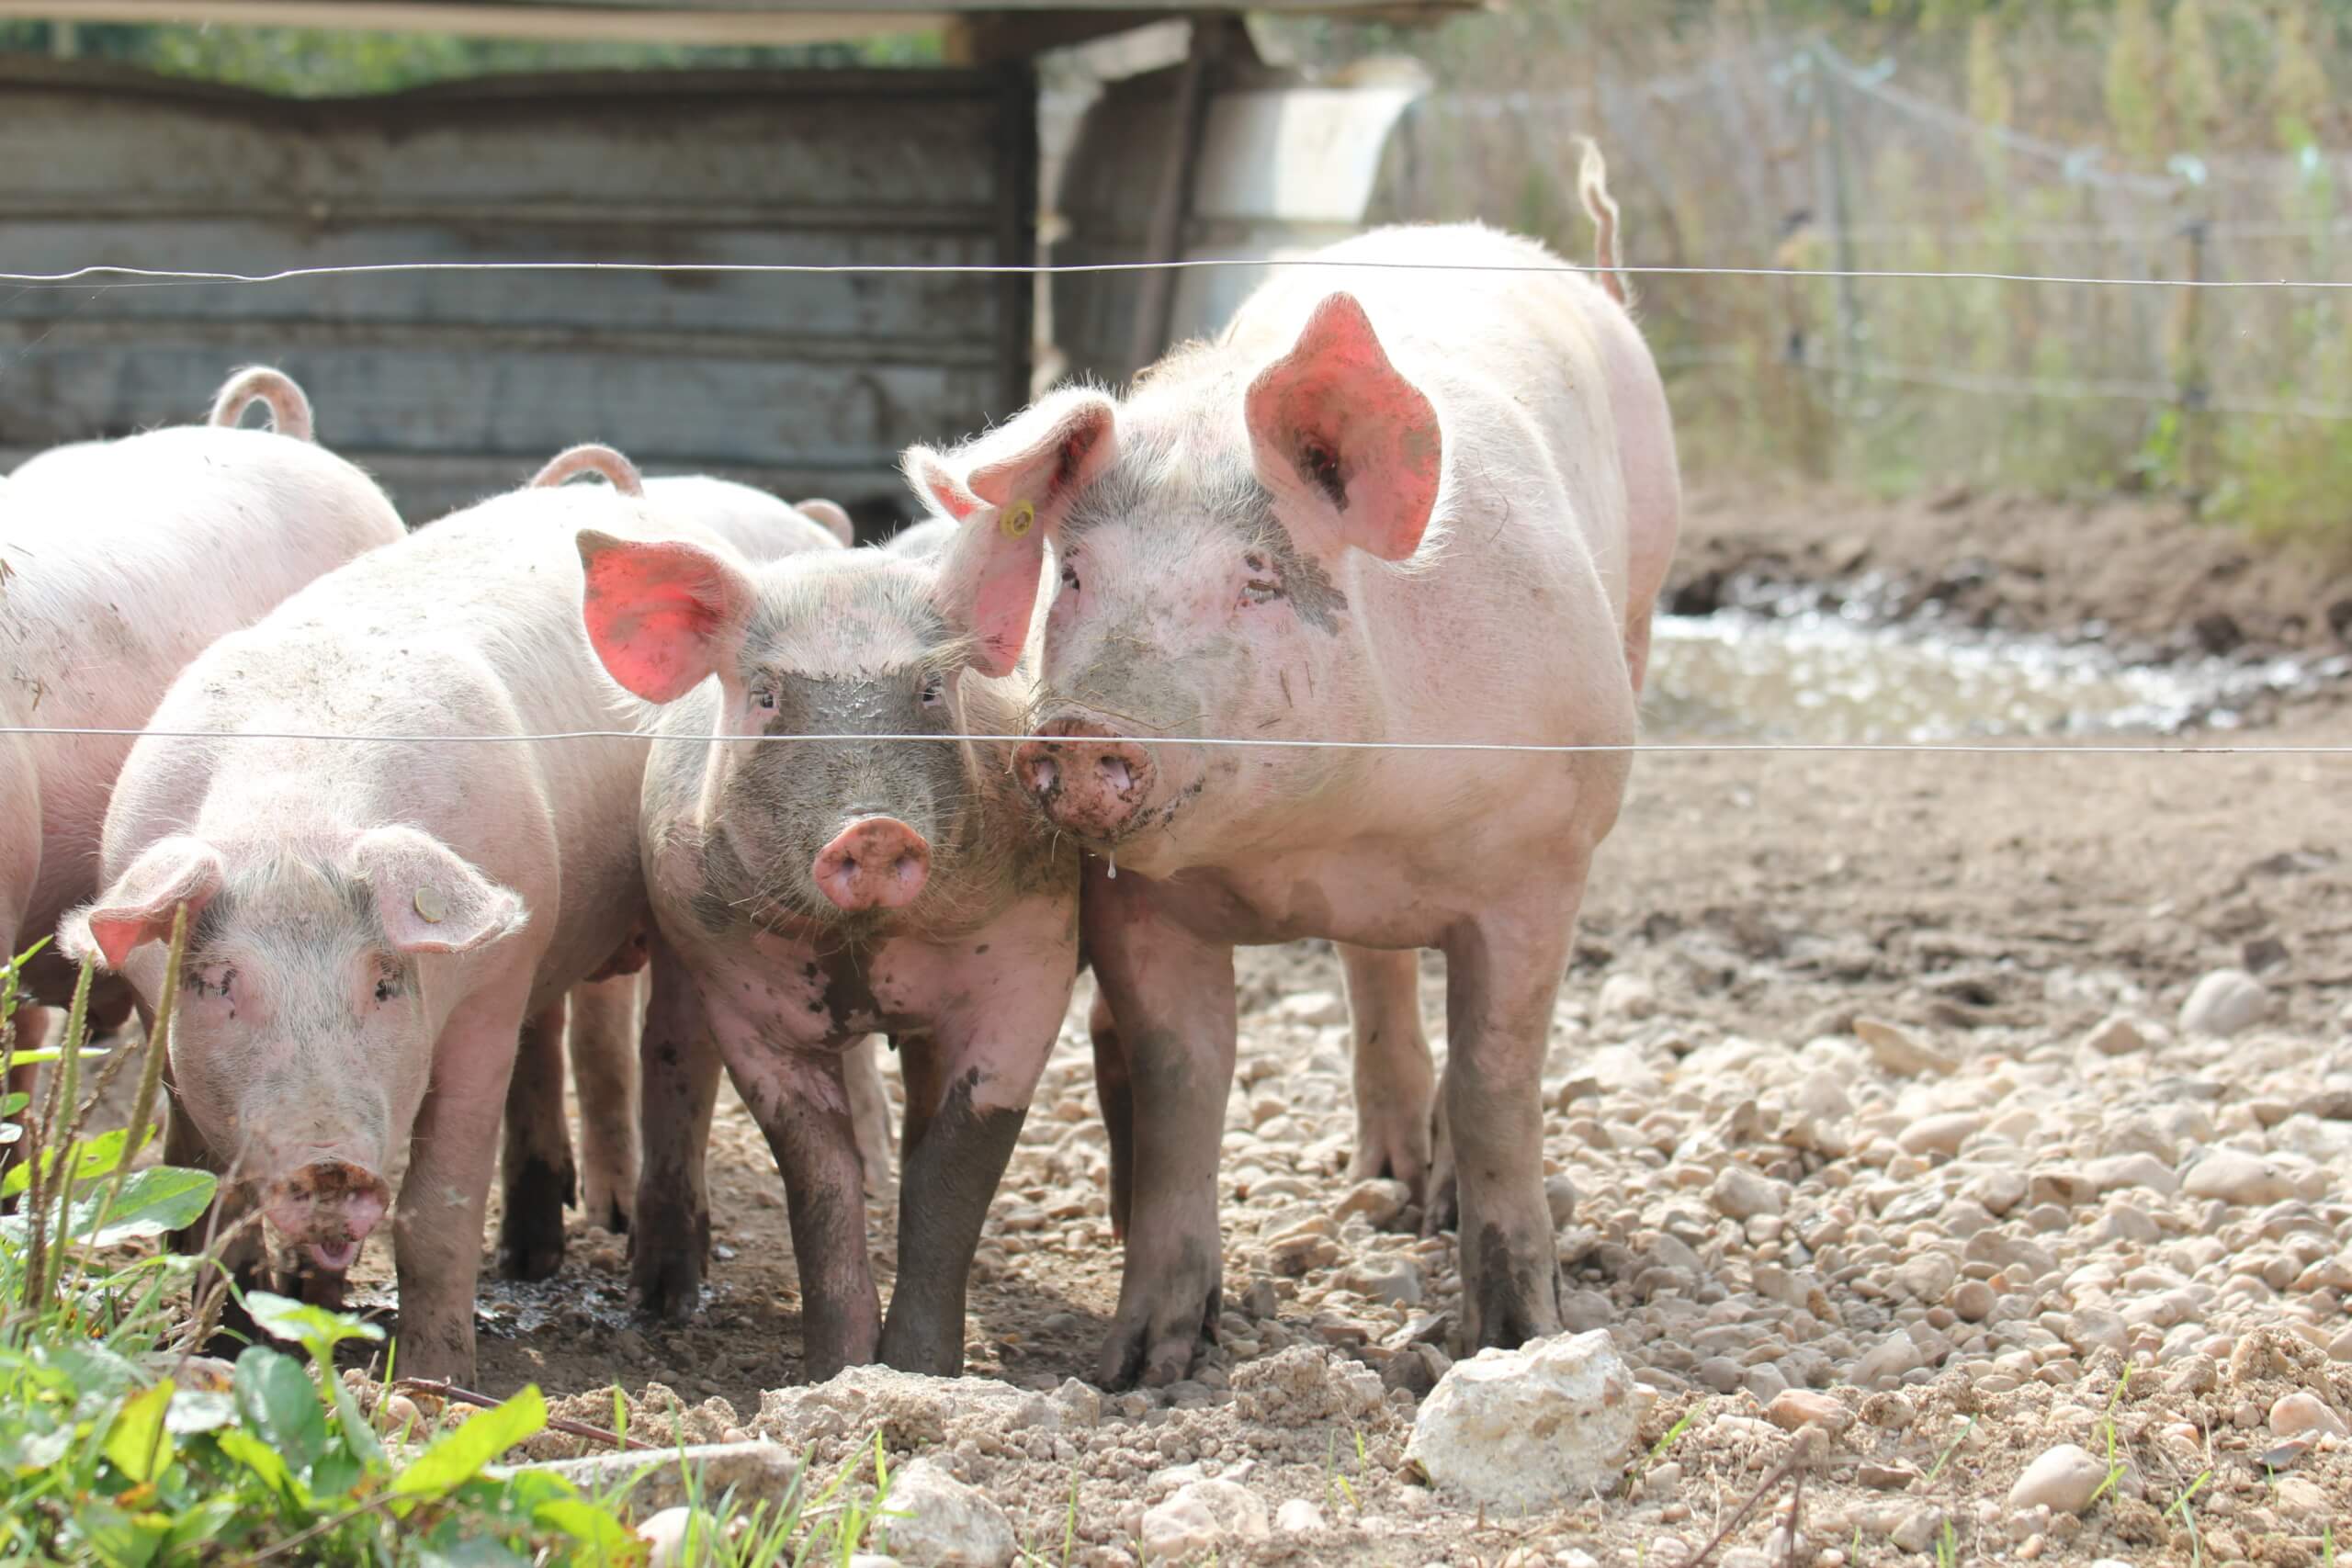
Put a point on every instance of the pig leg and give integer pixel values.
(1171, 998)
(539, 1178)
(437, 1232)
(678, 1067)
(869, 1105)
(801, 1102)
(1395, 1082)
(1502, 974)
(603, 1071)
(1113, 1088)
(991, 1063)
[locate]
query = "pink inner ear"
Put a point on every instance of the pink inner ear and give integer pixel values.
(1336, 415)
(121, 935)
(654, 612)
(948, 495)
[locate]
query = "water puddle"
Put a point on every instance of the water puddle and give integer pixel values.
(1820, 677)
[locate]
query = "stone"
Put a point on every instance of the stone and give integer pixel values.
(1939, 1135)
(2298, 1413)
(1315, 1009)
(2232, 1176)
(2301, 1497)
(1378, 1202)
(1974, 1300)
(1530, 1428)
(1204, 1517)
(1928, 1277)
(1743, 1194)
(1299, 1517)
(944, 1523)
(2118, 1034)
(1628, 997)
(678, 1535)
(2062, 1480)
(2114, 1172)
(1898, 1051)
(1390, 1277)
(1560, 1197)
(1918, 1529)
(2223, 1003)
(1797, 1407)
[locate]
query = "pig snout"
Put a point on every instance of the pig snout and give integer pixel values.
(1086, 779)
(877, 864)
(327, 1209)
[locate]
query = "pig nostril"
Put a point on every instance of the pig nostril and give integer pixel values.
(1044, 775)
(1117, 775)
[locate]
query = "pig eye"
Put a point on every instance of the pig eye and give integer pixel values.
(388, 982)
(934, 689)
(1262, 588)
(1069, 577)
(764, 697)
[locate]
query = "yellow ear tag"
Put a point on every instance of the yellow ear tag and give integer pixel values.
(431, 905)
(1018, 519)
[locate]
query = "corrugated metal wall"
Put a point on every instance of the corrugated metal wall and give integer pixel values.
(448, 387)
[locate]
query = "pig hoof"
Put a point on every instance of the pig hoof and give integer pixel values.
(670, 1294)
(1159, 1350)
(1445, 1210)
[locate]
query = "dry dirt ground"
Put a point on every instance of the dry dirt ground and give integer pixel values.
(1963, 1227)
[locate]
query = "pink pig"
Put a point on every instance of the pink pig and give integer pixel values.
(119, 562)
(809, 893)
(376, 923)
(1388, 504)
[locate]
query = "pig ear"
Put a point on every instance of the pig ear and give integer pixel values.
(138, 908)
(660, 614)
(936, 486)
(988, 584)
(1334, 429)
(831, 515)
(1044, 456)
(429, 900)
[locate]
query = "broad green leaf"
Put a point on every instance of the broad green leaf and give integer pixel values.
(315, 1328)
(606, 1539)
(203, 1523)
(198, 1410)
(261, 1460)
(279, 1406)
(120, 1540)
(90, 1160)
(14, 1104)
(153, 1202)
(458, 1456)
(138, 1443)
(335, 1474)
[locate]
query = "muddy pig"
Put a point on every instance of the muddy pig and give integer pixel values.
(375, 921)
(808, 894)
(597, 1025)
(119, 562)
(1391, 505)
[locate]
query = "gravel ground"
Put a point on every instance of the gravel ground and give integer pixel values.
(1882, 1154)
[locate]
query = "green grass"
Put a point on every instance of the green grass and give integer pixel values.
(119, 1447)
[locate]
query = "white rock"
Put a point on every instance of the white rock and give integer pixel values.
(1743, 1194)
(2142, 1170)
(1378, 1201)
(1299, 1517)
(1391, 1277)
(1204, 1517)
(1560, 1197)
(679, 1536)
(1899, 1051)
(1939, 1135)
(2062, 1480)
(2234, 1176)
(2223, 1003)
(947, 1524)
(2299, 1412)
(1528, 1428)
(1627, 997)
(2118, 1034)
(1317, 1008)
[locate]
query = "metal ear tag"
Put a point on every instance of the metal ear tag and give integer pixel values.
(431, 905)
(1018, 519)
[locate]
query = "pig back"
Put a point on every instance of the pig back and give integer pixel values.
(126, 559)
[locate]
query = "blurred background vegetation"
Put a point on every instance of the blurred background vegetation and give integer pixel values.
(2155, 139)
